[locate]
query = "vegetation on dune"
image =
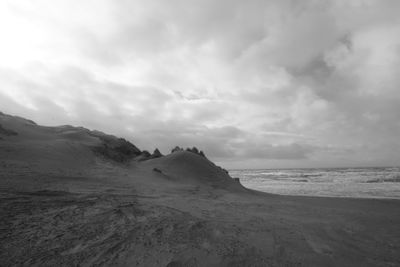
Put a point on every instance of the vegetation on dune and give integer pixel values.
(117, 149)
(193, 150)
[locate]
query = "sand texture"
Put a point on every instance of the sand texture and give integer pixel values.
(65, 203)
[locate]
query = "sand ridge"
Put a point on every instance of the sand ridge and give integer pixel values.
(62, 204)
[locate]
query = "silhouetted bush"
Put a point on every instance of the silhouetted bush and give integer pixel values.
(117, 149)
(145, 153)
(156, 154)
(176, 149)
(192, 150)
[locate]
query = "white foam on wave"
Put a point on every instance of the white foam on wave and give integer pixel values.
(343, 182)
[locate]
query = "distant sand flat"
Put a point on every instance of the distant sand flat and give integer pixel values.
(61, 204)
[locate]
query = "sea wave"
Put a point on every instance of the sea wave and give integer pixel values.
(395, 179)
(345, 182)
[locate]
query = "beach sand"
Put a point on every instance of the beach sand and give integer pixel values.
(61, 205)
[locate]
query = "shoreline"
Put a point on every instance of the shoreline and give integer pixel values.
(324, 196)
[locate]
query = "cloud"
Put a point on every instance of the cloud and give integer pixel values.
(281, 152)
(253, 83)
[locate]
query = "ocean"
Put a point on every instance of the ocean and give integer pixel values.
(334, 182)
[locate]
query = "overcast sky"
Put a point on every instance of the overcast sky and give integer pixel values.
(254, 83)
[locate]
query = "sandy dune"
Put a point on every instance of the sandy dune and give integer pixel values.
(62, 203)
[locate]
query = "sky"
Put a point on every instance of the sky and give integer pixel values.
(254, 84)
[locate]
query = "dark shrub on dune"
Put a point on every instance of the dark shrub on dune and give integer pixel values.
(145, 153)
(196, 151)
(156, 154)
(193, 150)
(126, 148)
(117, 149)
(176, 149)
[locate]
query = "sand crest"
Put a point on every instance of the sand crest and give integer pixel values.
(63, 204)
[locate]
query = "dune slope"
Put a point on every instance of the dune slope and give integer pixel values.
(74, 197)
(188, 167)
